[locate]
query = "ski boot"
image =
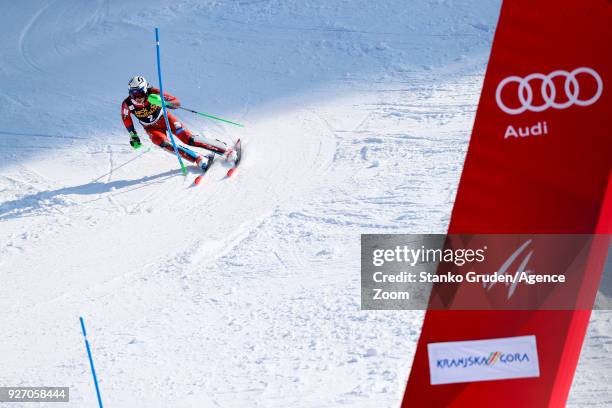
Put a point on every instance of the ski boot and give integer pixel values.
(204, 162)
(230, 154)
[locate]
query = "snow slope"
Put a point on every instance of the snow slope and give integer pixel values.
(241, 292)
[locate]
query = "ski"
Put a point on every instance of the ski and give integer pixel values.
(198, 179)
(238, 148)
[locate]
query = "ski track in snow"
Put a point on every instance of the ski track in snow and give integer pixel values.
(23, 36)
(242, 291)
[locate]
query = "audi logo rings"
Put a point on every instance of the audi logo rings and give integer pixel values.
(548, 91)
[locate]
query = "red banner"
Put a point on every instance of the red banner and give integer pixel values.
(539, 162)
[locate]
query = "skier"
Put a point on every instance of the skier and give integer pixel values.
(151, 118)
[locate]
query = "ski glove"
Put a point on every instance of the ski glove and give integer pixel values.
(135, 140)
(155, 99)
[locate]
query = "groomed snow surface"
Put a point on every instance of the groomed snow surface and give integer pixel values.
(242, 292)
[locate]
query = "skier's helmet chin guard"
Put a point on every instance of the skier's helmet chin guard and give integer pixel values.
(138, 87)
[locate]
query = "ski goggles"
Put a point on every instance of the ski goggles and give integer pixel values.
(138, 93)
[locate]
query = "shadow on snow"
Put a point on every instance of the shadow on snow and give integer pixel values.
(55, 200)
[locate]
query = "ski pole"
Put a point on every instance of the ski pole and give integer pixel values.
(163, 104)
(121, 165)
(155, 99)
(211, 116)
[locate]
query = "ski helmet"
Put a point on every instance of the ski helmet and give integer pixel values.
(138, 87)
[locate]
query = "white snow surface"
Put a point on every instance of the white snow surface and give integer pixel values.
(242, 292)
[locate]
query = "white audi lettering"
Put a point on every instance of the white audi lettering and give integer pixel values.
(540, 128)
(548, 91)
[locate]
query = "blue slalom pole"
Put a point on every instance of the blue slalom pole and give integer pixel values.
(161, 91)
(91, 364)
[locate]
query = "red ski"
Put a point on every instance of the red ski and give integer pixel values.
(238, 149)
(211, 160)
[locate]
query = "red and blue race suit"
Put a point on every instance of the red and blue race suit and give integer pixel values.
(151, 118)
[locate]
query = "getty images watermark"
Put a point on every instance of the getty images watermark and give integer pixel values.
(484, 272)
